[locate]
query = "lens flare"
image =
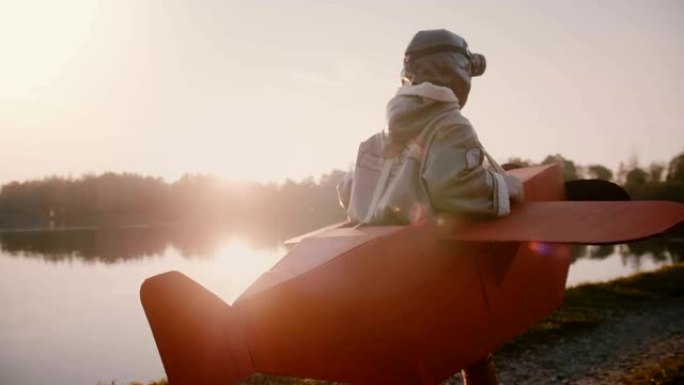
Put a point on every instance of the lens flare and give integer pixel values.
(541, 248)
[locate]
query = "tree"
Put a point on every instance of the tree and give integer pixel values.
(516, 162)
(655, 173)
(635, 182)
(675, 170)
(570, 171)
(598, 171)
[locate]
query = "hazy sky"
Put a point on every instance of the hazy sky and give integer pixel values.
(266, 90)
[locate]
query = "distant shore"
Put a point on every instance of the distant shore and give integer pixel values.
(38, 229)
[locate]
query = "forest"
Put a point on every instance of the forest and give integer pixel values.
(289, 208)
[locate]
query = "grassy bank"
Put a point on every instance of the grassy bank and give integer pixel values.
(669, 371)
(585, 307)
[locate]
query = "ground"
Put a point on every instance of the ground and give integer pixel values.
(615, 352)
(627, 332)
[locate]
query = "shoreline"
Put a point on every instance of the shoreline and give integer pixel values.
(56, 229)
(614, 332)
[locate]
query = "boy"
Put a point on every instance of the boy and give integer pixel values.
(430, 159)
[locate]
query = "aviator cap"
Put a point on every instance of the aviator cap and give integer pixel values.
(442, 57)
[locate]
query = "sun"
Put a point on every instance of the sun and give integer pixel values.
(38, 38)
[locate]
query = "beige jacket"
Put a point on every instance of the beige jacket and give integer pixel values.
(440, 168)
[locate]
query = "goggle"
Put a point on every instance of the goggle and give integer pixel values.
(477, 61)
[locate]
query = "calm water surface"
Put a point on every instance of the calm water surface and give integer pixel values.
(69, 306)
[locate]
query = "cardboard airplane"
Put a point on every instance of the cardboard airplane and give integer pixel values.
(392, 304)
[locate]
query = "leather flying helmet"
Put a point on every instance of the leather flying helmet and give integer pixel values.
(442, 57)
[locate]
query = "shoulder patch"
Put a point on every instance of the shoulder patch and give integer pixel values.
(473, 157)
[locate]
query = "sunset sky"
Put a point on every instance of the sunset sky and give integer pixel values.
(266, 90)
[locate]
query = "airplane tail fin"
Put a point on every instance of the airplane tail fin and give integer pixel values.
(199, 338)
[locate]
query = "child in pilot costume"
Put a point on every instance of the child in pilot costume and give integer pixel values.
(430, 160)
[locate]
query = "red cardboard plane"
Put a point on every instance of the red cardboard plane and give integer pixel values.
(392, 304)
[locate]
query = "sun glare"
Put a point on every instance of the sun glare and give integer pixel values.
(38, 39)
(236, 266)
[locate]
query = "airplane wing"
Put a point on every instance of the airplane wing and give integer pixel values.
(575, 222)
(584, 222)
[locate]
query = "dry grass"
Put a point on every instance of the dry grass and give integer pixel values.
(666, 372)
(590, 305)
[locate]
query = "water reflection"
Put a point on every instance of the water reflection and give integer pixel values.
(665, 249)
(606, 262)
(114, 245)
(71, 309)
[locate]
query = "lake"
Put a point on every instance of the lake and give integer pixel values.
(70, 312)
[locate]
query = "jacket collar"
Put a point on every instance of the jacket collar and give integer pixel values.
(429, 91)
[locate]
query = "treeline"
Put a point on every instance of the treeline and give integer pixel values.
(657, 181)
(113, 200)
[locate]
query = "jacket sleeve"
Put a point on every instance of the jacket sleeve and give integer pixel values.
(455, 178)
